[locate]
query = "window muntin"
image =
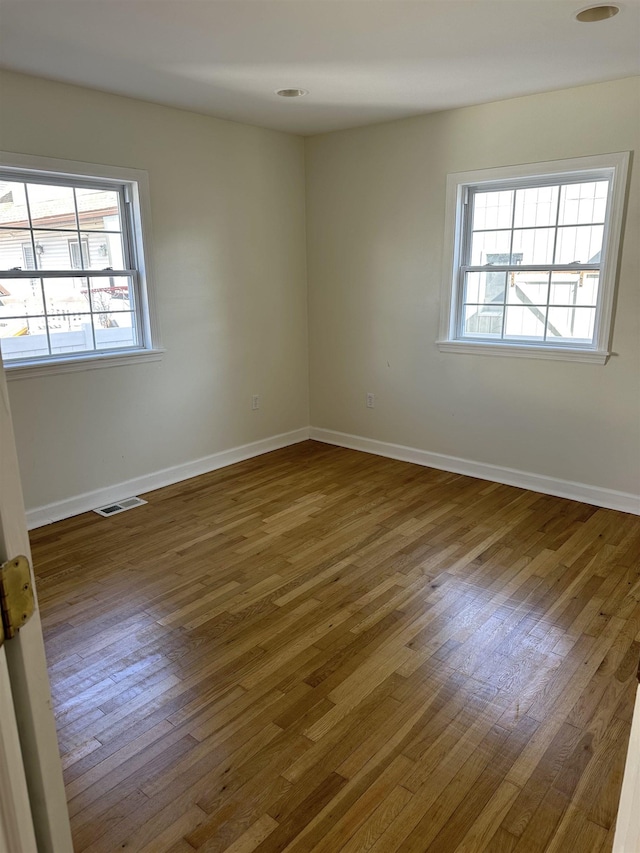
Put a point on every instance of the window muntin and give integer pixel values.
(532, 259)
(78, 236)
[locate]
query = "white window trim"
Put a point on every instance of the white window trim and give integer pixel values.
(138, 181)
(457, 183)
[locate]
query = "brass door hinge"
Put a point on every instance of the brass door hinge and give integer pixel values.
(16, 596)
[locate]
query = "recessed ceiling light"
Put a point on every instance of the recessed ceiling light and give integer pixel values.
(596, 13)
(291, 93)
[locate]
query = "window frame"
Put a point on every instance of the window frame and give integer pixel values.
(134, 187)
(581, 169)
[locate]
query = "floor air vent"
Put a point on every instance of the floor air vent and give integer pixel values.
(120, 506)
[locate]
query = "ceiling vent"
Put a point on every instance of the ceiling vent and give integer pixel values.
(120, 506)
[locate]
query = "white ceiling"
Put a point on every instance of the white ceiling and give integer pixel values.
(363, 61)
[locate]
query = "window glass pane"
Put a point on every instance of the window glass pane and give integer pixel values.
(492, 210)
(583, 203)
(115, 330)
(70, 333)
(20, 297)
(533, 246)
(571, 324)
(23, 337)
(579, 245)
(51, 207)
(536, 207)
(525, 322)
(490, 247)
(483, 321)
(16, 250)
(13, 205)
(528, 288)
(98, 210)
(485, 287)
(103, 250)
(574, 288)
(114, 293)
(66, 296)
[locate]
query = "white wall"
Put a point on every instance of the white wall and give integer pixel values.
(228, 206)
(375, 220)
(229, 234)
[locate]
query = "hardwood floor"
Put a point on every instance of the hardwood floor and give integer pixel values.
(322, 650)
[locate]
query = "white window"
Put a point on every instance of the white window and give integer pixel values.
(74, 279)
(531, 257)
(78, 263)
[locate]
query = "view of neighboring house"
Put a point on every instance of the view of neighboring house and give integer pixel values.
(55, 229)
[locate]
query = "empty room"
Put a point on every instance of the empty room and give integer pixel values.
(320, 426)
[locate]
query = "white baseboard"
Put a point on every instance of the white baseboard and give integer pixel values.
(58, 510)
(624, 501)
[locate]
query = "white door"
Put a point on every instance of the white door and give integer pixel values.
(33, 809)
(16, 823)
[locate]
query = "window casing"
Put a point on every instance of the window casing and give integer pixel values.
(74, 274)
(531, 254)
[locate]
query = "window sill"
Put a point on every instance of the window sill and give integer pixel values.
(525, 351)
(29, 370)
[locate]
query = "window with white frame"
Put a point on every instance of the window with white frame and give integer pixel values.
(532, 253)
(74, 284)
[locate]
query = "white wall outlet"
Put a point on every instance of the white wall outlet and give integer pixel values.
(255, 402)
(371, 401)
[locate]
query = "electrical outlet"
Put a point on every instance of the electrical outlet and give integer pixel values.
(255, 402)
(371, 401)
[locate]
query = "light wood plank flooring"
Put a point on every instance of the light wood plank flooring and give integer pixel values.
(322, 650)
